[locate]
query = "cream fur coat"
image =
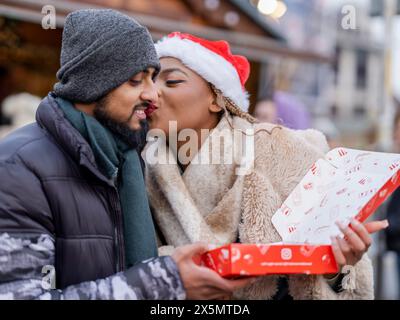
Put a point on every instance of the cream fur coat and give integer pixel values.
(211, 203)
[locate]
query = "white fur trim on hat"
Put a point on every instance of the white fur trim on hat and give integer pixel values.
(208, 64)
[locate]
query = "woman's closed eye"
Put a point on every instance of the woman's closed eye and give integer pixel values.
(173, 82)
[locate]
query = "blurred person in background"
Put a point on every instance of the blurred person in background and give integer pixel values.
(283, 108)
(292, 111)
(20, 109)
(266, 109)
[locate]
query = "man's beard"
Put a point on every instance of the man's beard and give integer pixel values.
(134, 138)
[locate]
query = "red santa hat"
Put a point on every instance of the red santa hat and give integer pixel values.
(213, 61)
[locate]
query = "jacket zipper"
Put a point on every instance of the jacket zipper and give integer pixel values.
(118, 230)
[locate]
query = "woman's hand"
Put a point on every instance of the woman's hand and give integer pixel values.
(357, 240)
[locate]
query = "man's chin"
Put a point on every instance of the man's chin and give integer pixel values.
(132, 133)
(135, 138)
(136, 126)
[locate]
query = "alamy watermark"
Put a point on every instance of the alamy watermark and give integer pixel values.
(217, 146)
(49, 278)
(348, 21)
(49, 19)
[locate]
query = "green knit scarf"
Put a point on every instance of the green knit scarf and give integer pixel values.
(114, 158)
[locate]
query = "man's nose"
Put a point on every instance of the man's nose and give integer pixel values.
(150, 92)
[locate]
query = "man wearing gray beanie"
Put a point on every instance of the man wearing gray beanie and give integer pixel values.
(75, 221)
(101, 49)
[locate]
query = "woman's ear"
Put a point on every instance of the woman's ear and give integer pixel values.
(214, 107)
(216, 103)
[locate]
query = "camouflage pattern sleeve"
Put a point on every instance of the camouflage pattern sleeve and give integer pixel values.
(25, 257)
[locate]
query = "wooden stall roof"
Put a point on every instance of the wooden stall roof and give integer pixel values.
(253, 36)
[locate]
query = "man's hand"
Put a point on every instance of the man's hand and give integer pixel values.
(357, 240)
(202, 283)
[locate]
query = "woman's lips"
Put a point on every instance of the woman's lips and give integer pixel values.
(150, 109)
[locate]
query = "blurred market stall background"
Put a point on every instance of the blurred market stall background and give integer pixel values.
(333, 65)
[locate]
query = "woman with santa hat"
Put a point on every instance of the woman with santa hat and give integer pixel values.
(201, 94)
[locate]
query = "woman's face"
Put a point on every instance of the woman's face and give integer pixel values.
(184, 97)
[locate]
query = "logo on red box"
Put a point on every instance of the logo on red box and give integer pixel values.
(286, 254)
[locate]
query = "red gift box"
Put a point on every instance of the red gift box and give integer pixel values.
(262, 259)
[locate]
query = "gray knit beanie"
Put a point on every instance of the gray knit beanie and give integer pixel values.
(101, 49)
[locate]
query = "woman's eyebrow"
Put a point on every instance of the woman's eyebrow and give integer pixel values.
(169, 70)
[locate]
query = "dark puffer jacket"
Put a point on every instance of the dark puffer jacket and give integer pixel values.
(59, 213)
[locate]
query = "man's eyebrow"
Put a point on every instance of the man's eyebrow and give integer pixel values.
(147, 71)
(169, 70)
